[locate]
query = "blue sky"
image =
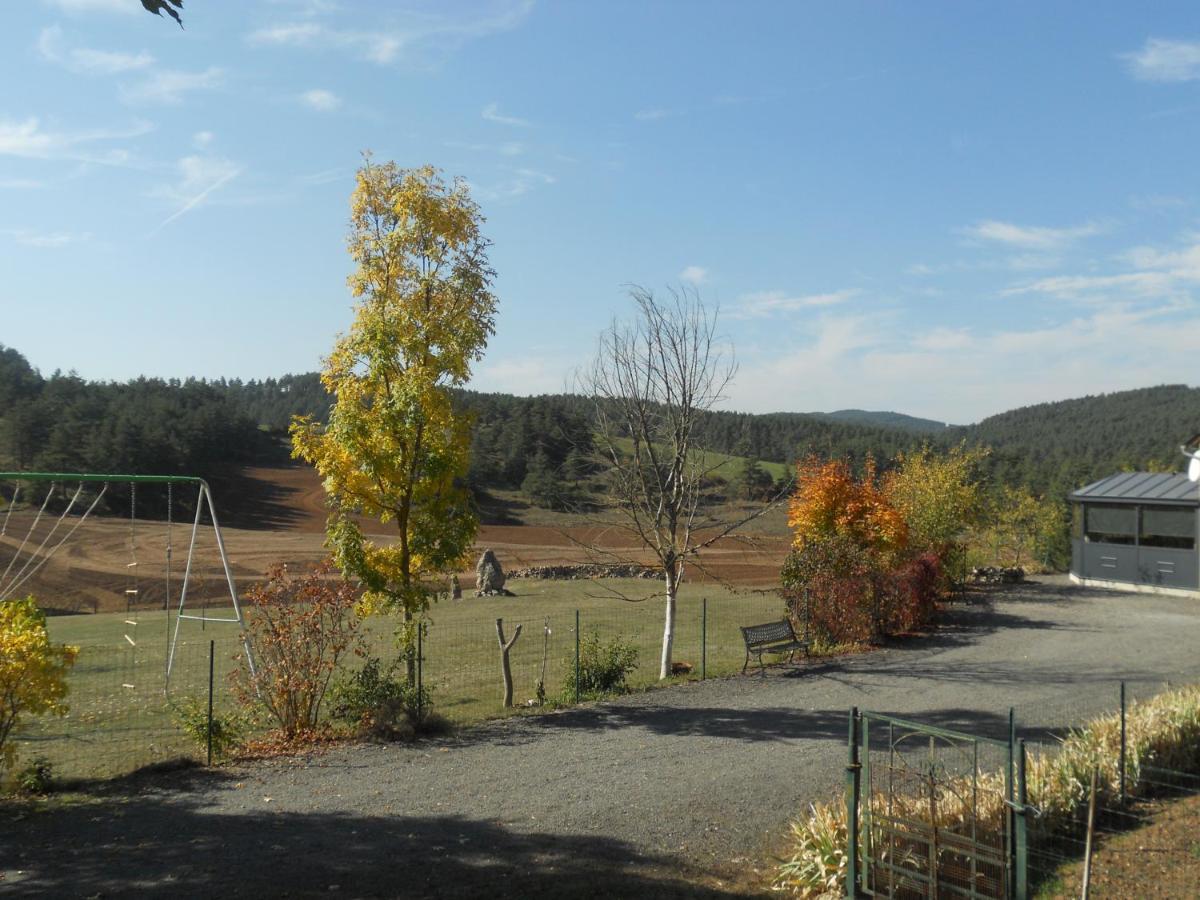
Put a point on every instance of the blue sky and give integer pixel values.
(948, 209)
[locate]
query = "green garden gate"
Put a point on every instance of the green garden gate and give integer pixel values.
(934, 812)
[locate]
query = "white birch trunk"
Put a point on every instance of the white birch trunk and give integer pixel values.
(668, 643)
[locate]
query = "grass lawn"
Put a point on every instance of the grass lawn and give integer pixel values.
(121, 716)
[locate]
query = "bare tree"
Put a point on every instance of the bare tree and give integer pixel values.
(651, 383)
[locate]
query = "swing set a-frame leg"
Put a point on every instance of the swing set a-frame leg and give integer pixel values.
(205, 497)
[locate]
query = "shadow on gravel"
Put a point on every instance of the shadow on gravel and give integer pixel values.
(154, 845)
(1057, 590)
(751, 725)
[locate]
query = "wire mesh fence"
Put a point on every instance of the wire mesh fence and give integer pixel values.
(461, 659)
(1033, 801)
(125, 713)
(1098, 784)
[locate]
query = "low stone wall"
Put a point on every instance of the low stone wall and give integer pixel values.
(586, 570)
(997, 574)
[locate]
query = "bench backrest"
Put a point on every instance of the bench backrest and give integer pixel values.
(768, 632)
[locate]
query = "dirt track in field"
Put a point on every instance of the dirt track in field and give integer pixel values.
(277, 515)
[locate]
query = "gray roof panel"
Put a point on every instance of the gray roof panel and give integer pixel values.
(1154, 487)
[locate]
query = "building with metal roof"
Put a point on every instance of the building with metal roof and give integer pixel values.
(1137, 530)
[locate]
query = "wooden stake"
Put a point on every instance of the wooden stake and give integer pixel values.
(505, 667)
(1087, 848)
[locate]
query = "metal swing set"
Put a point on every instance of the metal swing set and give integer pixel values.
(16, 576)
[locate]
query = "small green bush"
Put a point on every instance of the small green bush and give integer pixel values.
(228, 730)
(35, 778)
(603, 668)
(381, 703)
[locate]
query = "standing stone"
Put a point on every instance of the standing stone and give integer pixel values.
(489, 577)
(455, 588)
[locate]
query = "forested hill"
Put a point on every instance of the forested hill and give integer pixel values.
(1073, 441)
(884, 419)
(201, 427)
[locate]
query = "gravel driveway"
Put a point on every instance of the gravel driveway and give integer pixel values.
(683, 792)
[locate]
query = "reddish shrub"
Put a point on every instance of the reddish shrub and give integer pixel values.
(866, 606)
(298, 628)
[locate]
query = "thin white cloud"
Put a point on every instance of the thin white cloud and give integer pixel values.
(325, 176)
(729, 98)
(943, 338)
(86, 61)
(527, 376)
(321, 100)
(87, 6)
(759, 304)
(20, 184)
(1157, 202)
(694, 275)
(922, 269)
(202, 139)
(492, 113)
(1165, 60)
(1025, 261)
(1031, 237)
(28, 140)
(654, 115)
(505, 148)
(169, 87)
(309, 7)
(1157, 274)
(1182, 264)
(377, 47)
(958, 375)
(1076, 286)
(518, 183)
(46, 240)
(199, 178)
(1130, 320)
(396, 33)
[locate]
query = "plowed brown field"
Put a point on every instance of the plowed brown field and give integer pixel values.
(277, 515)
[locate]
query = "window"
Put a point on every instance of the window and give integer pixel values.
(1168, 526)
(1110, 524)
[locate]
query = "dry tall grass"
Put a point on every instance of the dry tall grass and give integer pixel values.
(1162, 733)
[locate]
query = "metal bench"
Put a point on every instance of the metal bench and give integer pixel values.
(771, 637)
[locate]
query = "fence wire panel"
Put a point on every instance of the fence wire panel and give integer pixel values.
(121, 715)
(461, 656)
(935, 814)
(1129, 813)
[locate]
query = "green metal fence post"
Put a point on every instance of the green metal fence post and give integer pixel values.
(420, 672)
(1010, 790)
(1022, 835)
(212, 652)
(576, 656)
(1122, 761)
(703, 638)
(853, 772)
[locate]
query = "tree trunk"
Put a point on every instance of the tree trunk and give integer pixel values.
(410, 655)
(664, 670)
(505, 667)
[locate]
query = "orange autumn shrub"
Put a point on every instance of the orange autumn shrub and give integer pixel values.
(851, 576)
(830, 502)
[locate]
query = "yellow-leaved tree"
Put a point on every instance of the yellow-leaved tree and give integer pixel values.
(941, 499)
(394, 448)
(33, 671)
